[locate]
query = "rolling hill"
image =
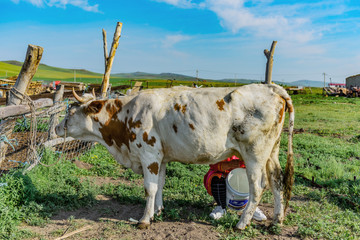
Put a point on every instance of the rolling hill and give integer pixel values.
(45, 72)
(50, 73)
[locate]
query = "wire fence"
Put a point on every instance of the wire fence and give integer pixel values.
(24, 139)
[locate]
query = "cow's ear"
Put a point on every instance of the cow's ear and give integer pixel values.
(94, 107)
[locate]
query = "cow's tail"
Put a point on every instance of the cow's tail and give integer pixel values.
(288, 179)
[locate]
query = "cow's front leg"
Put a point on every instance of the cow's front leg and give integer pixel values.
(257, 183)
(151, 178)
(159, 198)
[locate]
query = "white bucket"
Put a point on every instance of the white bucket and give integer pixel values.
(237, 189)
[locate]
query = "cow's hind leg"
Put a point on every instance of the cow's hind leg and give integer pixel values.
(158, 198)
(257, 181)
(275, 178)
(151, 179)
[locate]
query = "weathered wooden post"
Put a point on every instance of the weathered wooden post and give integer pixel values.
(269, 64)
(109, 59)
(54, 118)
(15, 96)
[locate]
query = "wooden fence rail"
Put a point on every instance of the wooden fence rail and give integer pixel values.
(15, 110)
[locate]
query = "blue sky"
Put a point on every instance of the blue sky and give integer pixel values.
(220, 38)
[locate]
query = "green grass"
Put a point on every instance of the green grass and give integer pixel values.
(328, 151)
(328, 116)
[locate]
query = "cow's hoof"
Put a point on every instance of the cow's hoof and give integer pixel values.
(278, 219)
(241, 226)
(159, 211)
(142, 225)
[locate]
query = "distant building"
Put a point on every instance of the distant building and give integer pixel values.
(353, 81)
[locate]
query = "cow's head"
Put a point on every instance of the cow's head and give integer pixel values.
(79, 119)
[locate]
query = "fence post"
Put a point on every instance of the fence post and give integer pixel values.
(54, 118)
(109, 59)
(27, 72)
(269, 64)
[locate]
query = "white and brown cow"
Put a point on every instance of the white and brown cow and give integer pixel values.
(192, 125)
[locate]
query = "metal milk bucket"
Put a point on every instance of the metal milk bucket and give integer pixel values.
(237, 189)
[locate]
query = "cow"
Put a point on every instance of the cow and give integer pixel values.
(147, 130)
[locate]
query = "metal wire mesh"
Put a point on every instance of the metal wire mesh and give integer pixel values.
(16, 145)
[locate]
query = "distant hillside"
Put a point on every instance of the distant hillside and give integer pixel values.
(45, 72)
(144, 75)
(304, 83)
(245, 81)
(44, 67)
(14, 62)
(307, 83)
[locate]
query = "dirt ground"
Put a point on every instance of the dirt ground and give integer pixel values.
(109, 219)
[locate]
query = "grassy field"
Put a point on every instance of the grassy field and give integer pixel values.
(327, 148)
(48, 74)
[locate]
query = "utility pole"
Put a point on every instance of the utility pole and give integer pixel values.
(235, 79)
(74, 75)
(324, 78)
(197, 77)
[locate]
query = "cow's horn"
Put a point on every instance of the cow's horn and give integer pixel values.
(93, 93)
(80, 99)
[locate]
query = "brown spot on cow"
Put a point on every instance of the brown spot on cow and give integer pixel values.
(175, 128)
(281, 113)
(183, 109)
(150, 141)
(154, 168)
(177, 107)
(136, 124)
(291, 108)
(96, 119)
(118, 103)
(132, 137)
(94, 107)
(120, 132)
(139, 145)
(113, 107)
(110, 109)
(220, 104)
(191, 126)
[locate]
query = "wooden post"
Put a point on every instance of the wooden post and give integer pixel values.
(54, 118)
(27, 72)
(109, 60)
(269, 64)
(106, 55)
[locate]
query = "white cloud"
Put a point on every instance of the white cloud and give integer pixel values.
(179, 3)
(83, 4)
(263, 18)
(171, 40)
(234, 16)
